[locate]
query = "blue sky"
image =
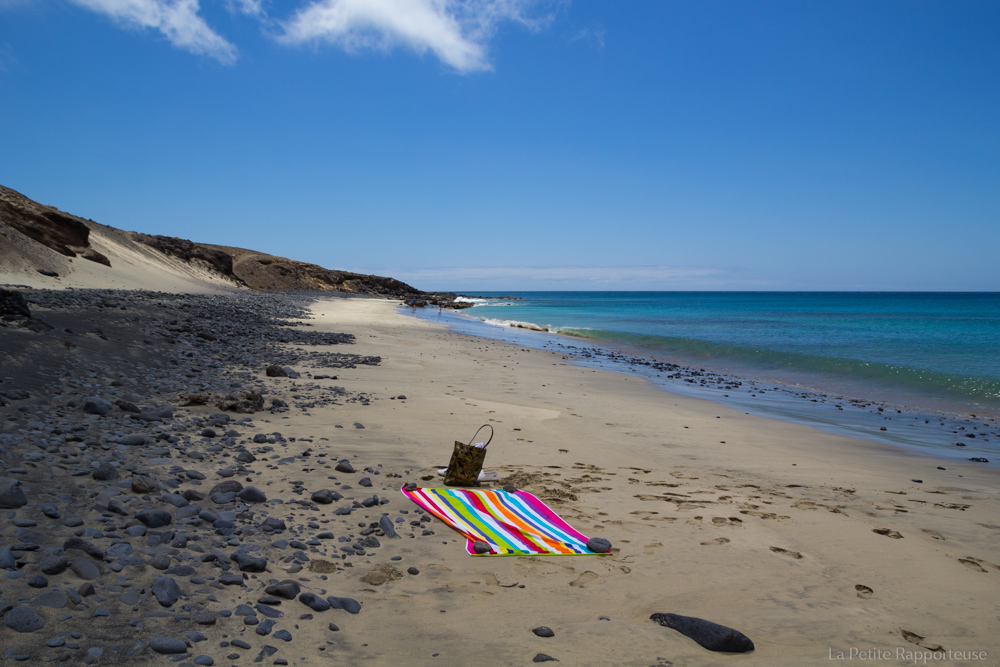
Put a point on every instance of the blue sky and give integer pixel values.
(512, 144)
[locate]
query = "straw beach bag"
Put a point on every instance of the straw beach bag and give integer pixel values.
(467, 461)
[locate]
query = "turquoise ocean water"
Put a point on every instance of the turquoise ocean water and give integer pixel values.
(933, 355)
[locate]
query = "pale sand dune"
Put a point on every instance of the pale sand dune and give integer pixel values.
(133, 266)
(769, 533)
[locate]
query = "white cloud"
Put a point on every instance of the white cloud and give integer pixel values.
(177, 20)
(248, 7)
(456, 31)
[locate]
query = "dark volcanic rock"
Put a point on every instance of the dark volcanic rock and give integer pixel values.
(166, 591)
(273, 523)
(385, 523)
(23, 619)
(252, 494)
(710, 635)
(275, 371)
(11, 495)
(13, 306)
(228, 486)
(85, 569)
(287, 589)
(168, 645)
(350, 605)
(95, 405)
(314, 602)
(105, 472)
(154, 518)
(248, 563)
(543, 631)
(542, 657)
(323, 496)
(599, 545)
(52, 564)
(86, 546)
(344, 466)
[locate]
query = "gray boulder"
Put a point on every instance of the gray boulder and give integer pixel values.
(11, 495)
(95, 405)
(23, 619)
(166, 591)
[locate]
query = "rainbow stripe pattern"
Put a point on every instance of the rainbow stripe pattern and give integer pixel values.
(512, 524)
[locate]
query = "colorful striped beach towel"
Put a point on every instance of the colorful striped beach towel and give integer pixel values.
(512, 524)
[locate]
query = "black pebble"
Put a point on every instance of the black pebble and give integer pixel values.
(544, 631)
(710, 635)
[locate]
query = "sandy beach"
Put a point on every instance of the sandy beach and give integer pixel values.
(765, 526)
(815, 546)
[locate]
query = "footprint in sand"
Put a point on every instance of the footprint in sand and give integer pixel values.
(583, 579)
(718, 540)
(933, 533)
(863, 591)
(694, 521)
(971, 564)
(888, 533)
(785, 552)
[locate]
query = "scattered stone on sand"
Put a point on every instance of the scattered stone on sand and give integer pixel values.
(543, 631)
(709, 635)
(168, 645)
(542, 657)
(95, 405)
(11, 494)
(344, 466)
(23, 619)
(599, 545)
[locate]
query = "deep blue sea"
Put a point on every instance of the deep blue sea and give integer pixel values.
(932, 355)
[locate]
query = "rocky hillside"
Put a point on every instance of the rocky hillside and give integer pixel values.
(38, 246)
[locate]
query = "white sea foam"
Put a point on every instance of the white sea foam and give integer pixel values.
(476, 301)
(515, 324)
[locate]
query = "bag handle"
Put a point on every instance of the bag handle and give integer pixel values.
(473, 441)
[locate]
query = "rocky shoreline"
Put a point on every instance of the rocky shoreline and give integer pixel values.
(133, 426)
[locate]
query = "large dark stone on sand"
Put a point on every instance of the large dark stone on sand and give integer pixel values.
(710, 635)
(599, 545)
(252, 494)
(385, 523)
(166, 591)
(155, 518)
(86, 546)
(314, 602)
(287, 589)
(350, 605)
(168, 645)
(23, 619)
(228, 486)
(11, 495)
(248, 563)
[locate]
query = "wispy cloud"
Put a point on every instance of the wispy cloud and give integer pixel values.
(562, 278)
(248, 7)
(593, 35)
(177, 20)
(456, 31)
